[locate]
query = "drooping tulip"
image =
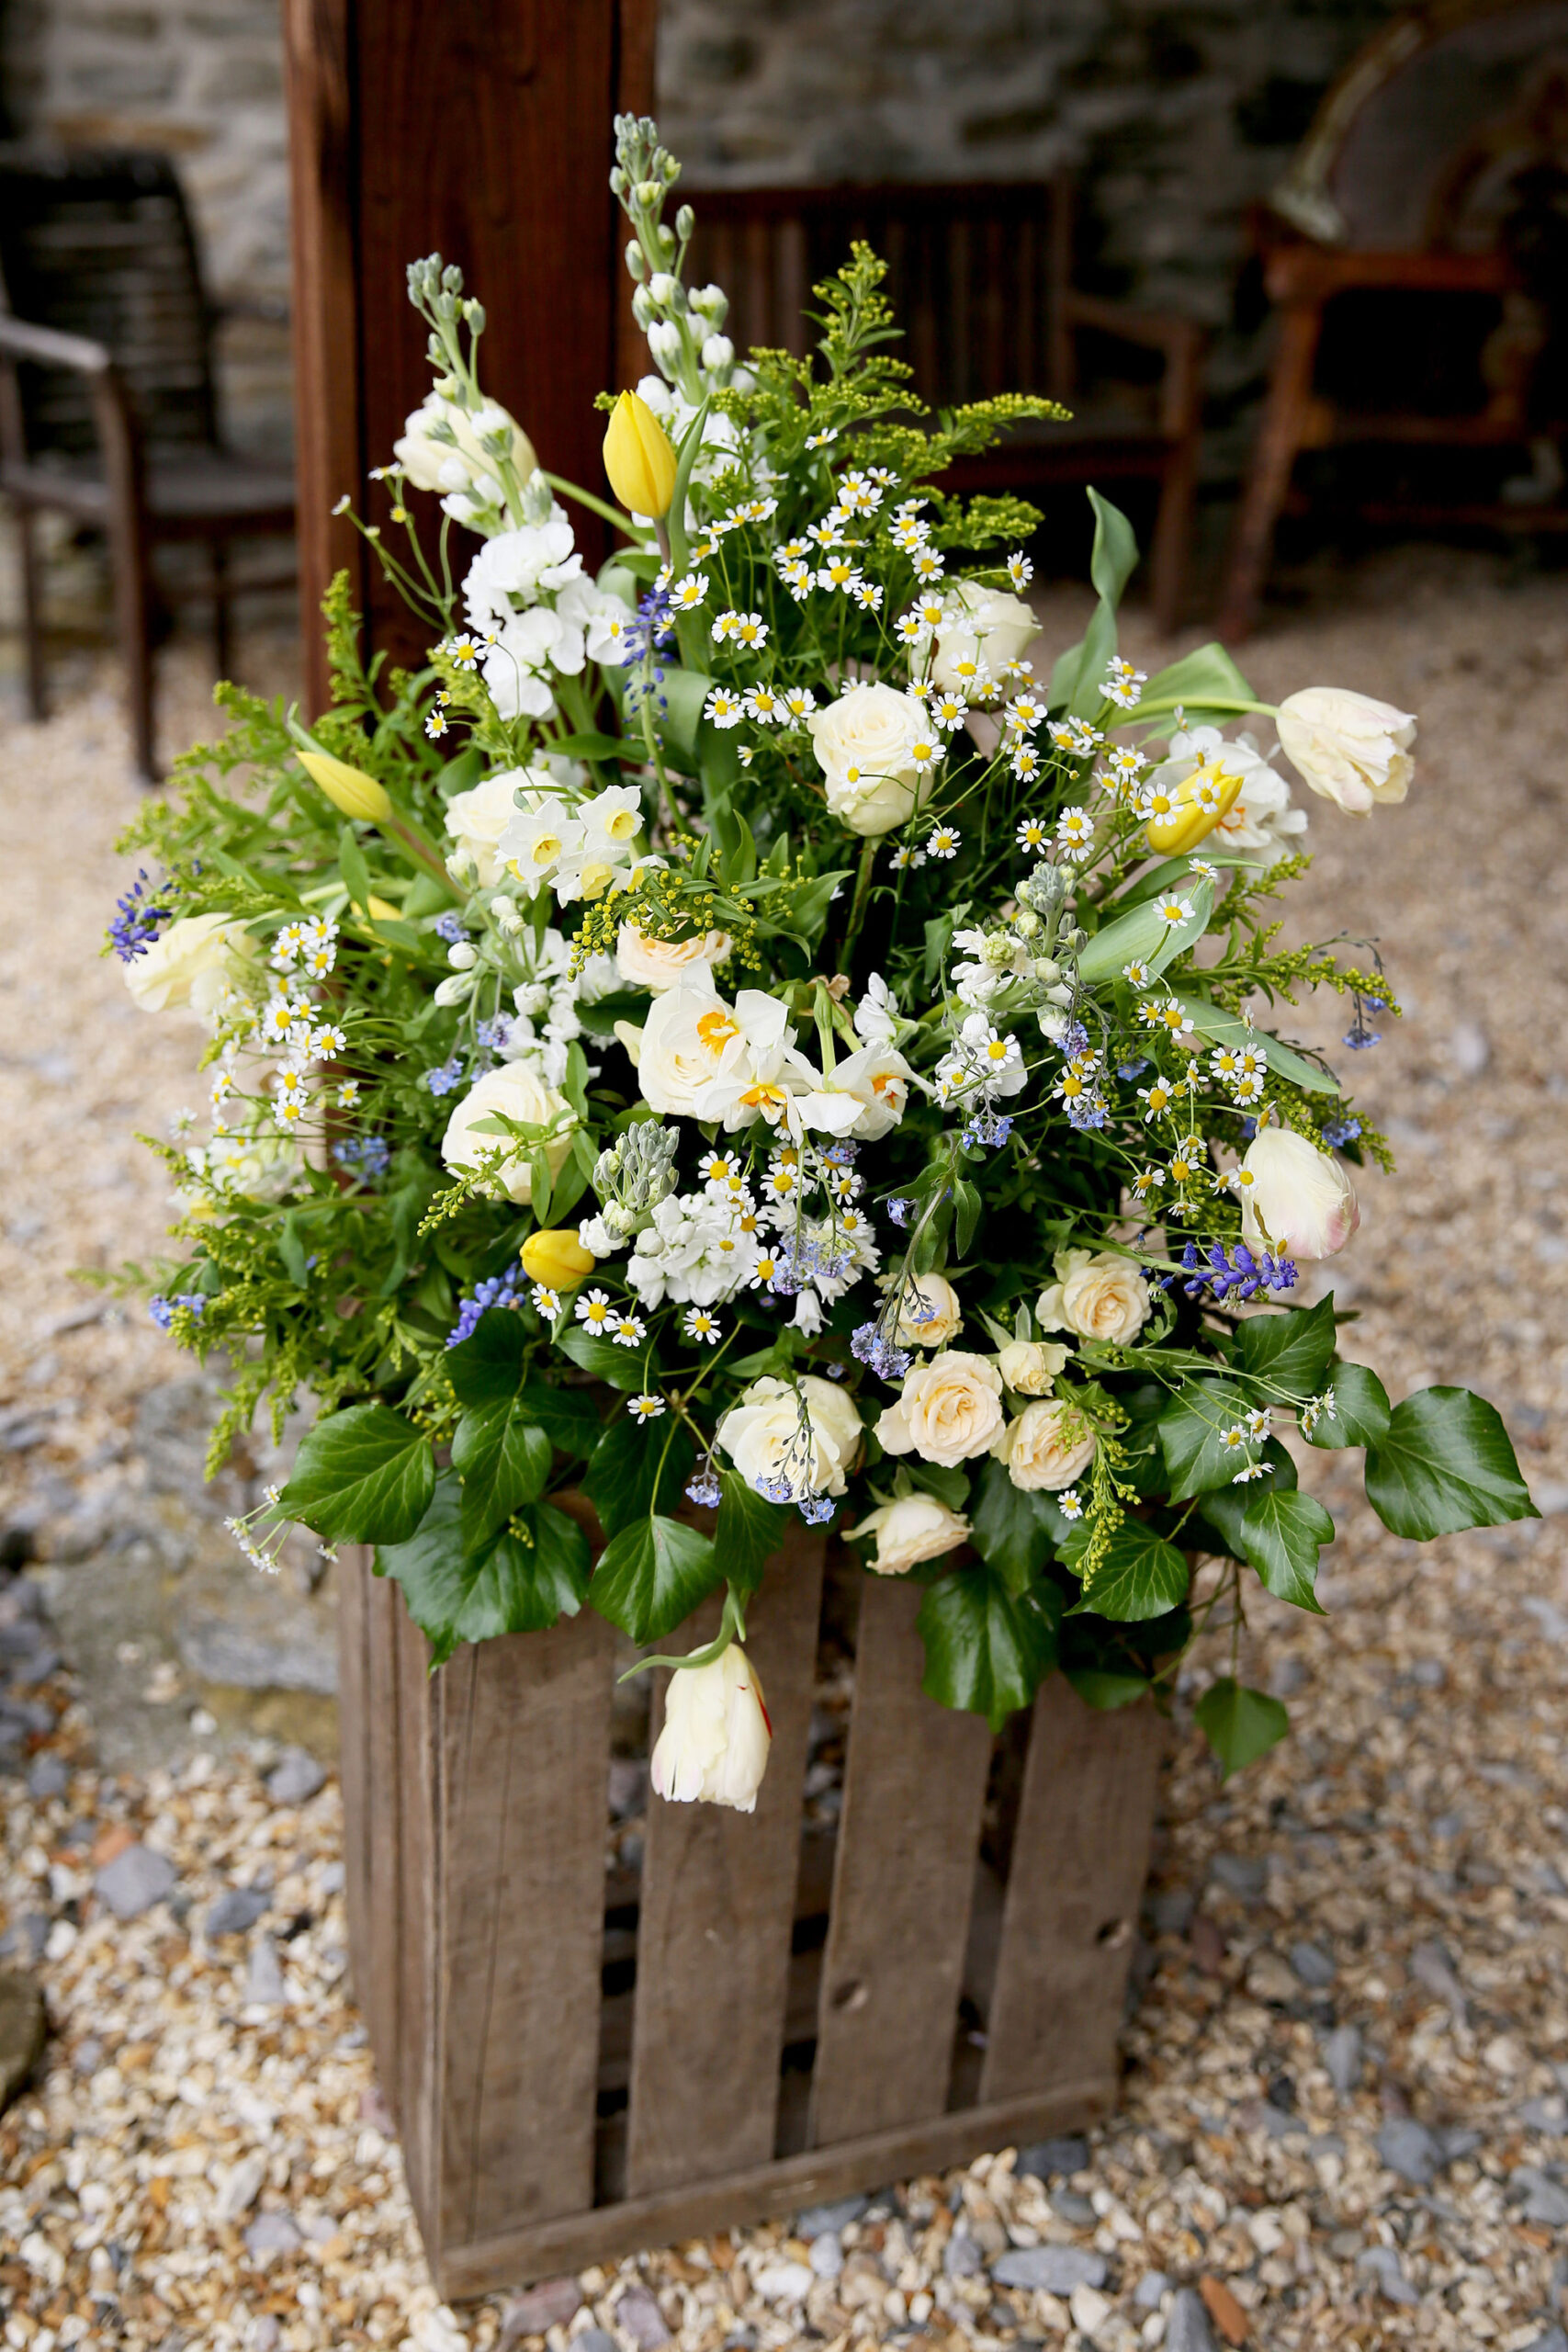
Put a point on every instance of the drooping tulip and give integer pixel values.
(350, 789)
(1347, 747)
(1299, 1194)
(713, 1746)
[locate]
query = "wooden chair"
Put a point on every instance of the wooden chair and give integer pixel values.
(981, 279)
(107, 408)
(1399, 215)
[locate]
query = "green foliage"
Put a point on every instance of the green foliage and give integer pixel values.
(362, 1476)
(1239, 1724)
(1443, 1463)
(988, 1649)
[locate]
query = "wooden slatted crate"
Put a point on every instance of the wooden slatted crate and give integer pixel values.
(811, 2014)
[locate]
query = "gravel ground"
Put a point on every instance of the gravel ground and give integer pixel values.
(1345, 2120)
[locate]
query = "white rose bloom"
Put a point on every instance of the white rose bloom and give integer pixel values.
(520, 564)
(459, 464)
(762, 1435)
(861, 743)
(947, 1314)
(516, 1092)
(1047, 1447)
(263, 1167)
(1029, 1366)
(192, 968)
(691, 1036)
(909, 1530)
(983, 625)
(1097, 1294)
(1302, 1195)
(656, 964)
(477, 818)
(713, 1746)
(947, 1411)
(1347, 747)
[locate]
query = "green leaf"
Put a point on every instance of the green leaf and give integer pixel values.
(651, 1575)
(1289, 1348)
(750, 1529)
(1142, 935)
(1115, 552)
(487, 1365)
(1104, 1690)
(291, 1249)
(504, 1458)
(1358, 1412)
(966, 1214)
(363, 1476)
(987, 1650)
(509, 1586)
(622, 1367)
(1140, 1576)
(1224, 1508)
(1222, 1028)
(352, 866)
(1078, 678)
(1207, 684)
(1282, 1535)
(1008, 1529)
(685, 692)
(1240, 1726)
(636, 1468)
(1445, 1463)
(593, 746)
(1190, 1431)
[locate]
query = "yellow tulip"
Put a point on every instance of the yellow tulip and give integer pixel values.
(557, 1259)
(1198, 804)
(350, 789)
(639, 459)
(383, 911)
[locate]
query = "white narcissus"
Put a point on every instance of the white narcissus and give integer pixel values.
(516, 1093)
(478, 818)
(1294, 1198)
(1351, 749)
(713, 1746)
(908, 1529)
(192, 968)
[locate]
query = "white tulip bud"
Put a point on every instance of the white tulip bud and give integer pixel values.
(1303, 1199)
(717, 352)
(713, 1746)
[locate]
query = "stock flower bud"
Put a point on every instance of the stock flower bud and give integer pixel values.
(713, 1746)
(557, 1259)
(350, 789)
(1199, 803)
(639, 459)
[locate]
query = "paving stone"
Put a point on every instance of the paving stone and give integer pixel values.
(134, 1881)
(1053, 2269)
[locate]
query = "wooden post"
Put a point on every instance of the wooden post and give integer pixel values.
(481, 130)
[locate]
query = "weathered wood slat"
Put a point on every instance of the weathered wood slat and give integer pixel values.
(714, 1935)
(381, 1835)
(525, 1739)
(914, 1790)
(1080, 1856)
(417, 1931)
(720, 2199)
(353, 1766)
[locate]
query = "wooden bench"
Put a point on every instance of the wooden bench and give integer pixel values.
(980, 279)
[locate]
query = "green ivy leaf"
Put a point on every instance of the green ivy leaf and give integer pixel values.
(363, 1476)
(1008, 1528)
(750, 1529)
(1104, 1690)
(1140, 1576)
(1445, 1463)
(1190, 1429)
(1282, 1535)
(636, 1468)
(1224, 1508)
(487, 1365)
(987, 1650)
(1360, 1408)
(511, 1585)
(651, 1575)
(621, 1367)
(1289, 1348)
(504, 1458)
(1240, 1726)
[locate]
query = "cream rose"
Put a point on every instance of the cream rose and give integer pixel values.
(1029, 1366)
(191, 968)
(946, 1317)
(1097, 1294)
(913, 1528)
(713, 1746)
(1304, 1197)
(656, 964)
(983, 625)
(861, 743)
(1046, 1446)
(516, 1093)
(477, 820)
(691, 1036)
(763, 1438)
(1349, 747)
(948, 1411)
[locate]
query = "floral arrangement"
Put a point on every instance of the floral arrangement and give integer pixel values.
(751, 1037)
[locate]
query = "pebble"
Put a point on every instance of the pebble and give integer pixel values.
(549, 2305)
(264, 1986)
(593, 2339)
(1384, 2264)
(239, 2191)
(271, 2233)
(296, 1777)
(1073, 2208)
(1187, 2328)
(1312, 1965)
(1151, 2290)
(1269, 1978)
(1409, 2149)
(1342, 2058)
(49, 1776)
(236, 1911)
(1053, 2269)
(827, 2254)
(820, 2221)
(962, 2257)
(1048, 2158)
(645, 2323)
(1090, 2309)
(134, 1881)
(1245, 1875)
(1545, 2199)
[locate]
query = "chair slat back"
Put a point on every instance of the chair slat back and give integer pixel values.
(975, 272)
(99, 242)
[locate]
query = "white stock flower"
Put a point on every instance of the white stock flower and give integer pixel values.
(911, 1529)
(863, 746)
(948, 1411)
(767, 1438)
(980, 625)
(455, 462)
(1096, 1294)
(514, 1092)
(520, 565)
(1045, 1447)
(658, 964)
(193, 968)
(695, 1251)
(714, 1746)
(1351, 749)
(1302, 1195)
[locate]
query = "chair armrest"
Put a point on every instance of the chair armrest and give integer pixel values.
(112, 415)
(1183, 342)
(51, 349)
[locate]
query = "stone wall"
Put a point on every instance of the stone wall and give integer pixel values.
(203, 81)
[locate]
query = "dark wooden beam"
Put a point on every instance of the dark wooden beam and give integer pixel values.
(480, 131)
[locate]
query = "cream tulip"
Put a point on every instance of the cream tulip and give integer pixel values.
(1294, 1198)
(713, 1746)
(1347, 747)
